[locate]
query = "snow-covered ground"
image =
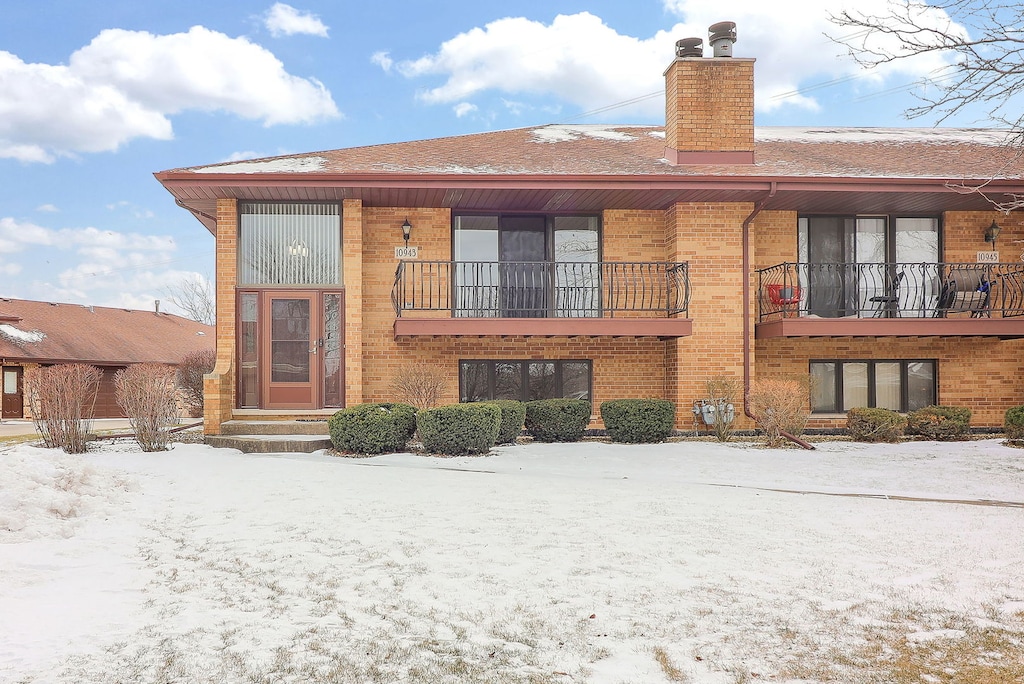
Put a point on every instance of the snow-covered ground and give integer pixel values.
(587, 562)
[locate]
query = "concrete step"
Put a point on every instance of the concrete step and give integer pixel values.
(274, 427)
(271, 444)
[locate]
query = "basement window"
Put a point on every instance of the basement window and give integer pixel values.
(524, 380)
(898, 385)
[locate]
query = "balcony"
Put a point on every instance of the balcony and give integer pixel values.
(549, 299)
(891, 299)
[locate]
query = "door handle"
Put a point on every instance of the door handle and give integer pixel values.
(316, 345)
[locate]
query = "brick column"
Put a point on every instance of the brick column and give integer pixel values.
(219, 386)
(352, 277)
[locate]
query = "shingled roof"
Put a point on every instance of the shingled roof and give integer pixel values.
(596, 167)
(45, 332)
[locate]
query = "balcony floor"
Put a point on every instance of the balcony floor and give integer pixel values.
(544, 327)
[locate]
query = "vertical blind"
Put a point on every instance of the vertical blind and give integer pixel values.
(289, 244)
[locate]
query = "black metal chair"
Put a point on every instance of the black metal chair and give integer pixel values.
(888, 305)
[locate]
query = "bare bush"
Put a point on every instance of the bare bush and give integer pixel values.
(419, 385)
(723, 390)
(62, 399)
(147, 394)
(779, 406)
(191, 369)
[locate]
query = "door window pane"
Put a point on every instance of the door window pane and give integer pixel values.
(823, 387)
(289, 340)
(10, 381)
(248, 357)
(888, 386)
(855, 385)
(333, 358)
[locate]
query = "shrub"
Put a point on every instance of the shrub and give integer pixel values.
(459, 428)
(513, 415)
(147, 395)
(62, 398)
(557, 420)
(372, 428)
(942, 423)
(875, 425)
(191, 369)
(1013, 424)
(419, 385)
(637, 421)
(722, 391)
(779, 406)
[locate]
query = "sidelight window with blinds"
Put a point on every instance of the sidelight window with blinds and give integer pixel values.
(287, 243)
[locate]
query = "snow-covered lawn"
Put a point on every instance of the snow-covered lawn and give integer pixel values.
(587, 562)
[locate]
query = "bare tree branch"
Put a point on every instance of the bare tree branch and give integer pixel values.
(194, 296)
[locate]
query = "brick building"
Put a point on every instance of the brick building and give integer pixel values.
(622, 261)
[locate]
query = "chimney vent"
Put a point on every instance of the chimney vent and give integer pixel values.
(721, 37)
(156, 305)
(690, 47)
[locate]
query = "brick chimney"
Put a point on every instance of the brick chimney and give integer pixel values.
(709, 102)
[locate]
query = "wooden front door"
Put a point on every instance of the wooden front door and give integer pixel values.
(13, 392)
(291, 347)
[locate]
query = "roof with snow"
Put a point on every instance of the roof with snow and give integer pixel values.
(594, 167)
(47, 332)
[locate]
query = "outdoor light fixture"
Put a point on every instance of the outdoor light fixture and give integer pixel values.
(406, 231)
(991, 233)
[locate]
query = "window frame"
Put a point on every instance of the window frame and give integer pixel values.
(890, 232)
(240, 211)
(524, 377)
(838, 389)
(549, 228)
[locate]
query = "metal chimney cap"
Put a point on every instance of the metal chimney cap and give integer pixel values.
(722, 30)
(690, 47)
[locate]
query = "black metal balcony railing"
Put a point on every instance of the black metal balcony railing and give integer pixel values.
(893, 290)
(541, 289)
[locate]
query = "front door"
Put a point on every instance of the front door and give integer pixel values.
(291, 335)
(13, 392)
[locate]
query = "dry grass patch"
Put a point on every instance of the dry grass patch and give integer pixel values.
(671, 670)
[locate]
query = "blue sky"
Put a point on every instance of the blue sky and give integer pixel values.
(96, 97)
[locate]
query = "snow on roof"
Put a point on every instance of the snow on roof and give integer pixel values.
(17, 335)
(276, 165)
(830, 134)
(565, 133)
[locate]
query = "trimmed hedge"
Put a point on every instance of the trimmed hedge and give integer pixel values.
(372, 428)
(513, 415)
(636, 421)
(942, 423)
(1013, 423)
(875, 425)
(557, 420)
(459, 428)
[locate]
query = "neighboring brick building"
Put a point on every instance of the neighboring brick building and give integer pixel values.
(621, 261)
(34, 334)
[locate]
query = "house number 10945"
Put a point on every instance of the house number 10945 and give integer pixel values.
(407, 252)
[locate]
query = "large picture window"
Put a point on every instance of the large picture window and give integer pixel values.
(523, 380)
(287, 243)
(838, 386)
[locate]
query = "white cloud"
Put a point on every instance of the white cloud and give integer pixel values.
(48, 208)
(382, 59)
(582, 60)
(242, 155)
(285, 20)
(125, 85)
(464, 108)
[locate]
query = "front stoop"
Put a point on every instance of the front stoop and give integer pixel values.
(272, 436)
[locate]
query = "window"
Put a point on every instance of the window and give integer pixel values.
(526, 265)
(838, 386)
(289, 244)
(524, 380)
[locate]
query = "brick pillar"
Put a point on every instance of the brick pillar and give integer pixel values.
(219, 386)
(709, 236)
(352, 277)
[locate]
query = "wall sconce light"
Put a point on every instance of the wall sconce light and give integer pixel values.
(298, 248)
(406, 231)
(991, 233)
